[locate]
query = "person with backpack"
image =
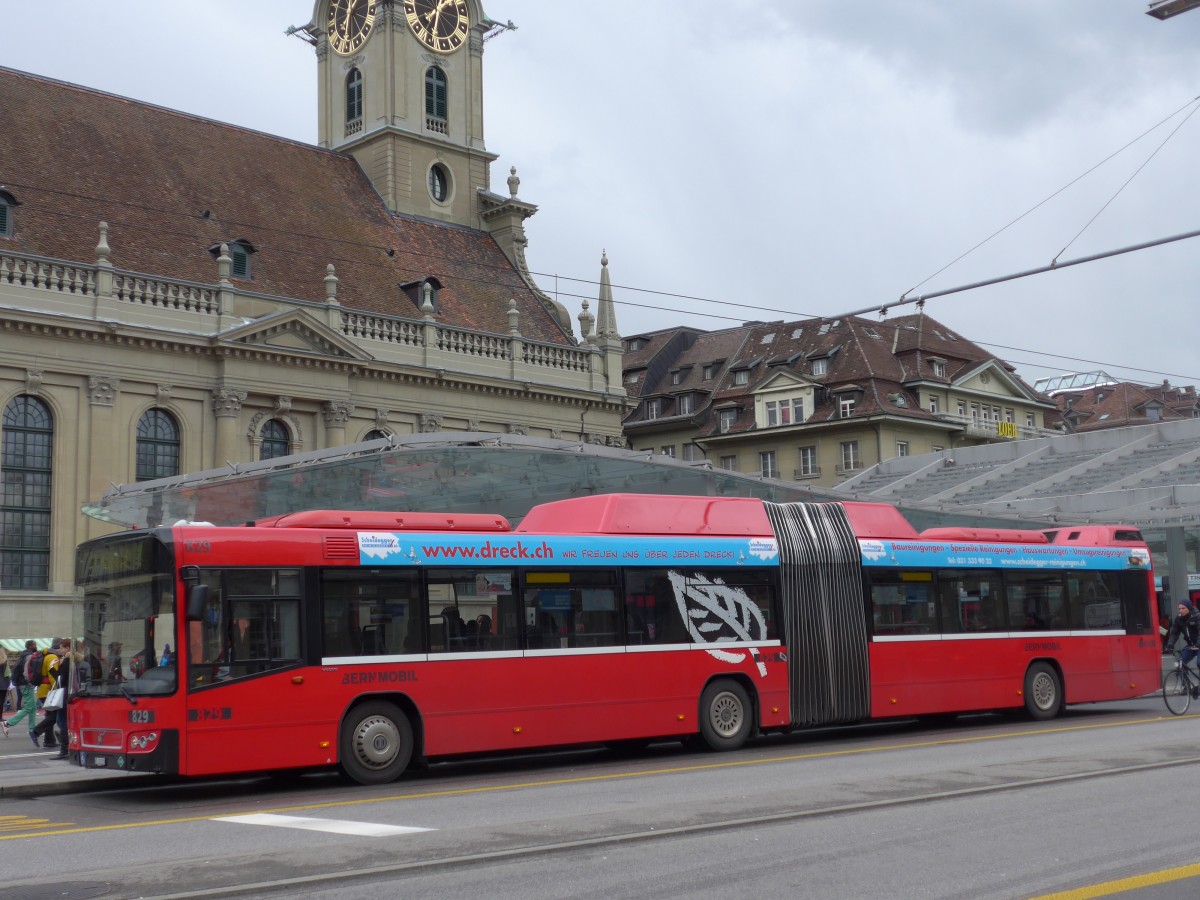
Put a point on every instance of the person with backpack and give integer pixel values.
(28, 692)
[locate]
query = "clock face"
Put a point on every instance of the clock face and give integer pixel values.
(441, 25)
(349, 24)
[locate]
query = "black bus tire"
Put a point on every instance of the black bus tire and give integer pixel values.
(725, 715)
(376, 743)
(1043, 692)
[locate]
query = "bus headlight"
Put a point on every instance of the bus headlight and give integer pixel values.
(144, 742)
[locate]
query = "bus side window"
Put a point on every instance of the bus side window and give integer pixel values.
(469, 609)
(367, 612)
(652, 612)
(972, 600)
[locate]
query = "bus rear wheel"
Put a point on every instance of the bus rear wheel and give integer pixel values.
(376, 743)
(725, 719)
(1043, 692)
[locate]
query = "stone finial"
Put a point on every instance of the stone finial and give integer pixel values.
(514, 317)
(427, 300)
(224, 265)
(513, 182)
(606, 314)
(331, 283)
(586, 322)
(102, 248)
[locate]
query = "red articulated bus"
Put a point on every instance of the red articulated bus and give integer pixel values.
(367, 639)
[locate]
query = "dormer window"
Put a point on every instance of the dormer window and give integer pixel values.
(677, 376)
(938, 368)
(653, 408)
(354, 101)
(636, 344)
(728, 418)
(416, 292)
(710, 372)
(741, 376)
(820, 365)
(686, 405)
(240, 252)
(435, 100)
(845, 407)
(8, 208)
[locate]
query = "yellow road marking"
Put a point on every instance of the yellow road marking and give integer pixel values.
(24, 823)
(1108, 888)
(585, 779)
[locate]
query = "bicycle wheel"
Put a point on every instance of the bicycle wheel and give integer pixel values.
(1177, 693)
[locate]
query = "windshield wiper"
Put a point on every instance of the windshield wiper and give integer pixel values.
(128, 696)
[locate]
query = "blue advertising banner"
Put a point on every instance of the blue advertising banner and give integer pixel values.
(938, 554)
(376, 548)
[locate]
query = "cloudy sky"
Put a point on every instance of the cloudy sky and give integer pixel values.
(777, 159)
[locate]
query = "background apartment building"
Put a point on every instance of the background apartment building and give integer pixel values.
(820, 400)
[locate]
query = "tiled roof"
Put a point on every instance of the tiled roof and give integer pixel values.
(883, 360)
(172, 185)
(1121, 404)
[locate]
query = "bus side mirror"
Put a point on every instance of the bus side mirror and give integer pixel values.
(197, 602)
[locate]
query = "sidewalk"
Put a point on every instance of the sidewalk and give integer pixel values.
(30, 772)
(47, 776)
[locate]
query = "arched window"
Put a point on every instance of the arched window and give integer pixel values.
(435, 99)
(157, 445)
(375, 434)
(275, 440)
(354, 101)
(25, 465)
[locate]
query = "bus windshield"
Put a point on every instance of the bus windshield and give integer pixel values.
(127, 617)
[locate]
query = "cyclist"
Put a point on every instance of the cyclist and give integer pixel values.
(1186, 626)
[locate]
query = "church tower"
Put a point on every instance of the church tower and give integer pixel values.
(401, 89)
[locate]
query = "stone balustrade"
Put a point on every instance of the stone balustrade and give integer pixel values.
(136, 299)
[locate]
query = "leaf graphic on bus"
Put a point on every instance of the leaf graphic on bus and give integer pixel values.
(715, 612)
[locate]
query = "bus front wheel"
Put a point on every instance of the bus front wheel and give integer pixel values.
(1043, 691)
(725, 715)
(376, 743)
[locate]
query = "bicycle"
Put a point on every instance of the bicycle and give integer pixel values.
(1179, 687)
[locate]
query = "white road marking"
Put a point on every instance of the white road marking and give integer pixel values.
(334, 826)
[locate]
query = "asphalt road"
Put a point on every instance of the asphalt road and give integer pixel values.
(989, 807)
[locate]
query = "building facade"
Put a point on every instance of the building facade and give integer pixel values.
(178, 294)
(819, 401)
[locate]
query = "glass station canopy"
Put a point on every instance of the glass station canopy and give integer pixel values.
(498, 474)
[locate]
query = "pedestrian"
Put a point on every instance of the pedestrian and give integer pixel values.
(28, 709)
(51, 660)
(9, 703)
(63, 680)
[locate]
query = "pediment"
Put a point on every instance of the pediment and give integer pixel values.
(293, 331)
(783, 380)
(992, 378)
